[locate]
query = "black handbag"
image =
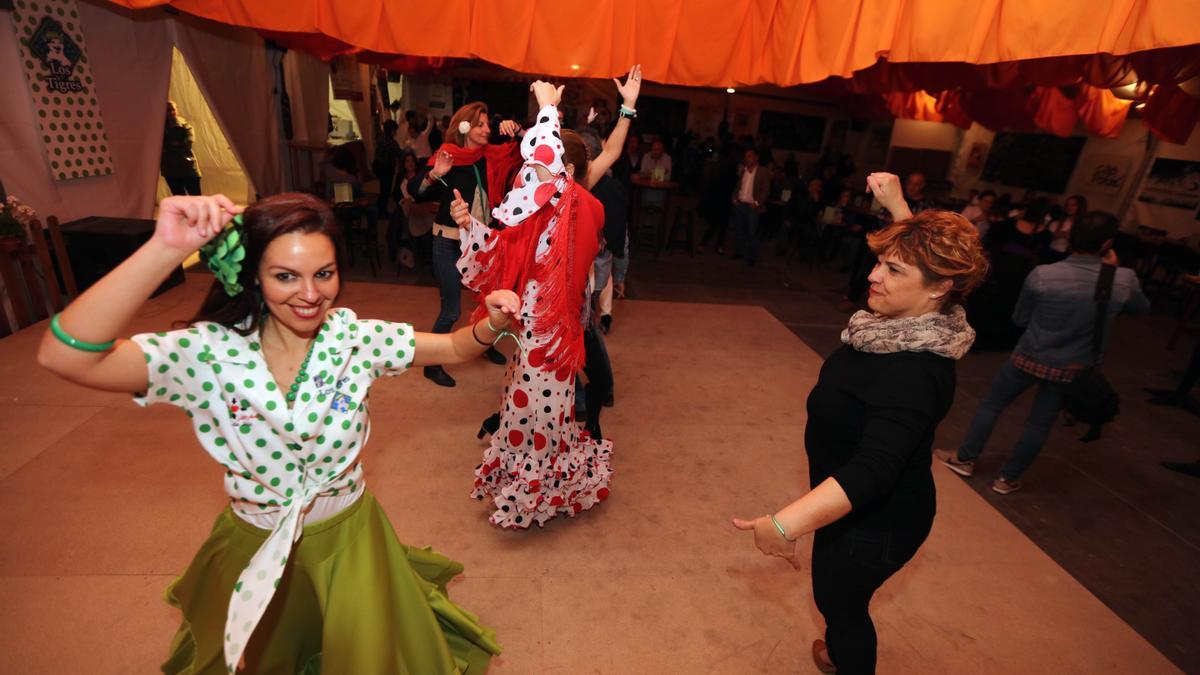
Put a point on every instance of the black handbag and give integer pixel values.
(1089, 397)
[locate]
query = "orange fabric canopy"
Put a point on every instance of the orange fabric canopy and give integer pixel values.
(721, 42)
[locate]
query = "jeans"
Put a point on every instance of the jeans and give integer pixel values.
(603, 266)
(1008, 384)
(621, 265)
(184, 185)
(445, 270)
(745, 230)
(848, 566)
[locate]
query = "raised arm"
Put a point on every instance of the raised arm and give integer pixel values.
(615, 144)
(102, 312)
(886, 188)
(541, 177)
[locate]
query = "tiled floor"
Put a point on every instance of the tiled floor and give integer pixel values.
(103, 502)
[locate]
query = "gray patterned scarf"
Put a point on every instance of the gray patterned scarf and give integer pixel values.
(947, 335)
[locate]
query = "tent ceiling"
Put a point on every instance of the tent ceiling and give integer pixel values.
(992, 61)
(721, 42)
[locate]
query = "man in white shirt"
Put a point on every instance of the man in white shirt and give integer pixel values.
(657, 163)
(749, 202)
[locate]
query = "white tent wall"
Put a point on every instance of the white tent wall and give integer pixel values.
(130, 56)
(222, 173)
(231, 67)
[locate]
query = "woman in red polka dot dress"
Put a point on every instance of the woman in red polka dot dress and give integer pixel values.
(540, 464)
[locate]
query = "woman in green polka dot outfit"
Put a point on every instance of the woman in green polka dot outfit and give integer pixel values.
(275, 381)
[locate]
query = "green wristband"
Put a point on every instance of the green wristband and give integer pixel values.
(76, 343)
(782, 532)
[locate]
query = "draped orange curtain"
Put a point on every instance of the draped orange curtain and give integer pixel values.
(723, 42)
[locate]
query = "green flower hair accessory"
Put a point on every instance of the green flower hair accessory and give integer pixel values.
(224, 254)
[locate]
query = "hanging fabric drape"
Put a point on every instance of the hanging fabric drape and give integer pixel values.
(307, 81)
(721, 42)
(243, 105)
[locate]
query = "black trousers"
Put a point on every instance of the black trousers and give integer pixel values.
(599, 373)
(387, 178)
(183, 185)
(848, 566)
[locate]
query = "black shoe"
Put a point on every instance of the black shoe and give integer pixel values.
(439, 376)
(606, 323)
(495, 357)
(1173, 398)
(490, 426)
(1187, 468)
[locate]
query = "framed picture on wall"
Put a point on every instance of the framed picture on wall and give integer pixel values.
(1172, 182)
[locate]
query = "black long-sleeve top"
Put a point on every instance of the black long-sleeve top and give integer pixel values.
(871, 421)
(461, 178)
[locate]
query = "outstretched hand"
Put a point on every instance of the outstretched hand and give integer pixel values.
(632, 87)
(509, 128)
(187, 223)
(459, 210)
(546, 93)
(502, 306)
(442, 163)
(768, 540)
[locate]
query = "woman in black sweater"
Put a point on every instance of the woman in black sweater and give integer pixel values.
(871, 422)
(480, 171)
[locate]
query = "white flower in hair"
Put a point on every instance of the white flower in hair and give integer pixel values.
(464, 127)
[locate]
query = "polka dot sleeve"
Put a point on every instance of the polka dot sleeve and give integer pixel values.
(542, 146)
(383, 348)
(176, 364)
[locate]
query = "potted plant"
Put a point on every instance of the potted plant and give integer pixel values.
(15, 219)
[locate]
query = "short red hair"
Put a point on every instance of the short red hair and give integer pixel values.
(942, 244)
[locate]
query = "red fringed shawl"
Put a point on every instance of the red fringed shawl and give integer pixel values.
(562, 274)
(502, 161)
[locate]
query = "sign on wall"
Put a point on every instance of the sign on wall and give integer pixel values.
(343, 76)
(59, 79)
(1104, 174)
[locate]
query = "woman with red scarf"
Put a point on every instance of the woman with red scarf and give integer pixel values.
(540, 465)
(479, 171)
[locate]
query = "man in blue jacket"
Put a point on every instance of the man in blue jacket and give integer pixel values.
(1058, 310)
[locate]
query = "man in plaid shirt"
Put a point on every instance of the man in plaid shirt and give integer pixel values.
(1058, 310)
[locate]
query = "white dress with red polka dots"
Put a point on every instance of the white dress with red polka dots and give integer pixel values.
(539, 464)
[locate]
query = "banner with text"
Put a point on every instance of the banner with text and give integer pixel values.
(60, 81)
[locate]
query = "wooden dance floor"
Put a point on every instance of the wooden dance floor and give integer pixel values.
(102, 503)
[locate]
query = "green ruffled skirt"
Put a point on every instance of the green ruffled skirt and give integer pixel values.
(353, 600)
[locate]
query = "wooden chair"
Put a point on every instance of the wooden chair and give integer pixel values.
(31, 287)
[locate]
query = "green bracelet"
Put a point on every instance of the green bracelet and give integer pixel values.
(76, 343)
(779, 527)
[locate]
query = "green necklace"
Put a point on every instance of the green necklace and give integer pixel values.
(301, 376)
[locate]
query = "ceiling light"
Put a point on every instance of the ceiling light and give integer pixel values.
(1129, 92)
(574, 66)
(730, 90)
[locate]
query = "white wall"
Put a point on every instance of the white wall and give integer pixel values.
(926, 135)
